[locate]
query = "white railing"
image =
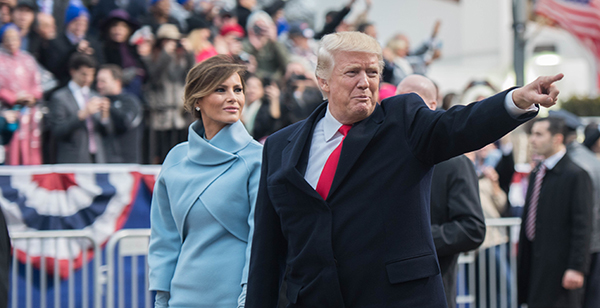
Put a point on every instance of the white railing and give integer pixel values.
(494, 286)
(487, 277)
(54, 241)
(131, 244)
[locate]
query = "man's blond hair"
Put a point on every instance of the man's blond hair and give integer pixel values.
(351, 41)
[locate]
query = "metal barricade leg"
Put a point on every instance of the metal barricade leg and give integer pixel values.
(482, 279)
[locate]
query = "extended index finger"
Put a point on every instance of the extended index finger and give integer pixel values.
(551, 79)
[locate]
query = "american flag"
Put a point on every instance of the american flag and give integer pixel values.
(580, 18)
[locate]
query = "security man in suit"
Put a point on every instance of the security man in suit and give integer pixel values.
(343, 201)
(554, 245)
(587, 160)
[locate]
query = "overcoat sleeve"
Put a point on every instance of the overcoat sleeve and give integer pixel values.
(465, 228)
(436, 136)
(62, 122)
(165, 242)
(581, 223)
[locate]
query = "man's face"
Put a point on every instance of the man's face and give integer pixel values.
(78, 26)
(5, 12)
(106, 83)
(46, 26)
(163, 7)
(83, 76)
(23, 17)
(371, 31)
(353, 86)
(542, 141)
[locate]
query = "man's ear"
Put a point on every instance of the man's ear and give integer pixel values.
(323, 84)
(433, 105)
(558, 139)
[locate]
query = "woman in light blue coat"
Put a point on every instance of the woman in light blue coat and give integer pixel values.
(202, 213)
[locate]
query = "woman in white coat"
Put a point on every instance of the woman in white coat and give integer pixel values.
(202, 214)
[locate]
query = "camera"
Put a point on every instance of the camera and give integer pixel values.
(258, 30)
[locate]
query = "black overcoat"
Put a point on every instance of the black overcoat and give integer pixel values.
(369, 243)
(562, 237)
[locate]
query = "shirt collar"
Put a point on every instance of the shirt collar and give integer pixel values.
(76, 88)
(551, 161)
(330, 125)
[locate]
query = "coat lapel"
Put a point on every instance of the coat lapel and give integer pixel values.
(72, 101)
(354, 144)
(298, 146)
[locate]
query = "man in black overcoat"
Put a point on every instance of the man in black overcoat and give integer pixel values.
(343, 201)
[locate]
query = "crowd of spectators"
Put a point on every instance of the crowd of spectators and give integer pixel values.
(102, 81)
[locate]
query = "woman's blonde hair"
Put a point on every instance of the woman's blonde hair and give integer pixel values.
(206, 76)
(196, 41)
(344, 41)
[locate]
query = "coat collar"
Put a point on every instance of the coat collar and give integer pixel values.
(354, 144)
(221, 148)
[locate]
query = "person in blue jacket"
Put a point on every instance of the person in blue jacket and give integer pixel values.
(202, 214)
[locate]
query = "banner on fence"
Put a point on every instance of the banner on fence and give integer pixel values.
(98, 198)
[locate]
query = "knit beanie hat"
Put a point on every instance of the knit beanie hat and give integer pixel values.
(6, 27)
(74, 11)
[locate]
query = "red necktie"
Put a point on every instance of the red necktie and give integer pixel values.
(533, 203)
(328, 172)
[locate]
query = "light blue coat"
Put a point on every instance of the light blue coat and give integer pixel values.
(202, 218)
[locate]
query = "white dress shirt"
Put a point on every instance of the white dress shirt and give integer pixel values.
(326, 138)
(79, 93)
(551, 161)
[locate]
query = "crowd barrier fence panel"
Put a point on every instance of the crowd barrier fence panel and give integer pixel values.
(128, 245)
(487, 277)
(42, 240)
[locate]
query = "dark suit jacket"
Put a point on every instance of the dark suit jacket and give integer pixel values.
(457, 222)
(59, 50)
(562, 237)
(587, 160)
(126, 115)
(70, 133)
(369, 244)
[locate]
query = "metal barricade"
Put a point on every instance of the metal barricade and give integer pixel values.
(128, 245)
(487, 277)
(48, 246)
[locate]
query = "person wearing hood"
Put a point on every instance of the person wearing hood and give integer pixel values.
(74, 39)
(116, 31)
(20, 89)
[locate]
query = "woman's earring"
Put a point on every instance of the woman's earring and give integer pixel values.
(197, 108)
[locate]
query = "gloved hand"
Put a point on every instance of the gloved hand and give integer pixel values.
(242, 298)
(162, 299)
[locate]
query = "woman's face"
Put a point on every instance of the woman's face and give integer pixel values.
(119, 32)
(11, 41)
(205, 33)
(254, 90)
(224, 105)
